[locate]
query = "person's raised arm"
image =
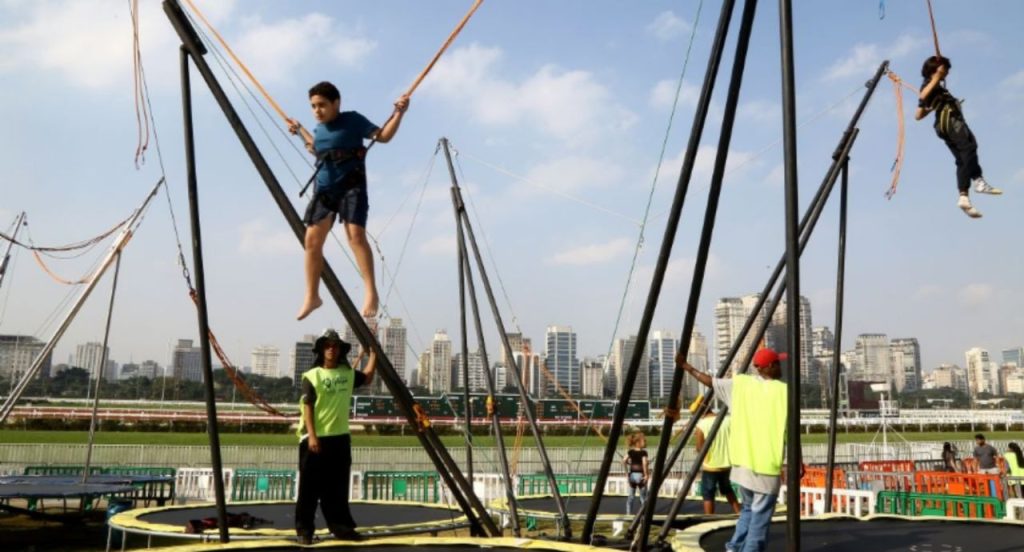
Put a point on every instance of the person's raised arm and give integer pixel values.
(697, 374)
(387, 132)
(296, 128)
(371, 367)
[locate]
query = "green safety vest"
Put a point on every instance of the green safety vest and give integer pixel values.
(759, 424)
(1016, 470)
(333, 399)
(718, 455)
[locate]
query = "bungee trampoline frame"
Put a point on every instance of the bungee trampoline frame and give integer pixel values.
(437, 544)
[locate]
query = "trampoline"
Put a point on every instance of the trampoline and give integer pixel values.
(403, 544)
(276, 520)
(612, 509)
(36, 488)
(877, 533)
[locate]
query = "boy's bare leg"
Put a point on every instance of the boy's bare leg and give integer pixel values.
(364, 259)
(316, 235)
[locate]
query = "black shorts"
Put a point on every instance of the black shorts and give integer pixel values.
(710, 481)
(348, 200)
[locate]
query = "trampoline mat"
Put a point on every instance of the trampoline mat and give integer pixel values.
(368, 545)
(613, 505)
(71, 489)
(885, 535)
(97, 479)
(281, 515)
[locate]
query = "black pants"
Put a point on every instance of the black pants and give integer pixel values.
(324, 479)
(960, 141)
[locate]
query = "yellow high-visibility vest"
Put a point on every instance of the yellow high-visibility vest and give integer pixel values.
(758, 432)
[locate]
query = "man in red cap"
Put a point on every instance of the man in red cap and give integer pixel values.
(756, 441)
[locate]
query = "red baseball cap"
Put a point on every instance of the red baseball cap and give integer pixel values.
(765, 357)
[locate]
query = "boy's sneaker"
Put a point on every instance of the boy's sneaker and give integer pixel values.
(983, 187)
(965, 203)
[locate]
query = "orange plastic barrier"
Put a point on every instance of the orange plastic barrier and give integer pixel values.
(887, 465)
(971, 465)
(964, 484)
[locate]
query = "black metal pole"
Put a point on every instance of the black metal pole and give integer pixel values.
(703, 251)
(99, 372)
(833, 416)
(792, 274)
(462, 491)
(531, 416)
(696, 131)
(811, 218)
(467, 406)
(467, 277)
(204, 324)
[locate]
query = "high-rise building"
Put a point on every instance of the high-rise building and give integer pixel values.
(950, 376)
(776, 338)
(186, 361)
(301, 358)
(440, 365)
(423, 370)
(265, 361)
(698, 358)
(393, 341)
(822, 354)
(518, 343)
(905, 360)
(730, 315)
(476, 372)
(873, 362)
(622, 354)
(150, 369)
(128, 370)
(979, 371)
(531, 371)
(663, 346)
(1005, 372)
(501, 379)
(592, 371)
(1014, 356)
(89, 356)
(18, 353)
(1015, 382)
(561, 360)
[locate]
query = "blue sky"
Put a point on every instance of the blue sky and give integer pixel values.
(568, 99)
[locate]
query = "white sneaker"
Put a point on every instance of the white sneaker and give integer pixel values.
(965, 203)
(983, 187)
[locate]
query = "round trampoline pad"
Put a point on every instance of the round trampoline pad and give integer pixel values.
(874, 533)
(404, 544)
(612, 508)
(277, 519)
(61, 490)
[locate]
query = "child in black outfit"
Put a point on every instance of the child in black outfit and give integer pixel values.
(951, 126)
(637, 469)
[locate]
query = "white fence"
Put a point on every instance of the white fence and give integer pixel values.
(851, 502)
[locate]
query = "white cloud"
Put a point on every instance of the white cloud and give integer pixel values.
(864, 58)
(574, 173)
(664, 93)
(667, 25)
(1012, 87)
(704, 165)
(440, 245)
(976, 295)
(256, 239)
(88, 44)
(567, 104)
(760, 111)
(1018, 176)
(927, 292)
(273, 49)
(592, 254)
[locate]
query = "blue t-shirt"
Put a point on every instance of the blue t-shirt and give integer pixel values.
(344, 132)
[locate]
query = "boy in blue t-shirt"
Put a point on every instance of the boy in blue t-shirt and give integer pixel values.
(337, 142)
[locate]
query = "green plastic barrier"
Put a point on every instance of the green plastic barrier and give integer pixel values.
(537, 483)
(61, 470)
(255, 484)
(159, 492)
(939, 505)
(411, 486)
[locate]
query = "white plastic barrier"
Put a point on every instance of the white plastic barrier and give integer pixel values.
(852, 502)
(196, 484)
(1015, 509)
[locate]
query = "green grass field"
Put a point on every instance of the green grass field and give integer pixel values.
(287, 440)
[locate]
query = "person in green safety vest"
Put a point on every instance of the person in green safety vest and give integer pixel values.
(1015, 466)
(325, 446)
(715, 471)
(757, 438)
